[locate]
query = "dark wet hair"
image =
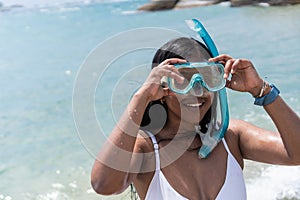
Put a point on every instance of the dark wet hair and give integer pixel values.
(183, 48)
(155, 116)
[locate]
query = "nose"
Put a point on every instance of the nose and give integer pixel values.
(197, 89)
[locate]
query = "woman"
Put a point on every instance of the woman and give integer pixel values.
(165, 162)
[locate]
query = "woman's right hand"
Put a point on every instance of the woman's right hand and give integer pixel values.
(152, 86)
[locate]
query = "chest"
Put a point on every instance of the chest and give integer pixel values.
(192, 177)
(198, 178)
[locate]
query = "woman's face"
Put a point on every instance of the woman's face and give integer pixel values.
(186, 107)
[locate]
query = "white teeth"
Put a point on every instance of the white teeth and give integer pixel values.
(194, 104)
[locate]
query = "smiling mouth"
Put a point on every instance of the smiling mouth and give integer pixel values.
(194, 105)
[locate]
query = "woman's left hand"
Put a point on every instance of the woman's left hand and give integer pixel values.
(244, 77)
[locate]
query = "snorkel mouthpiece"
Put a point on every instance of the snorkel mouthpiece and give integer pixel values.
(216, 130)
(196, 26)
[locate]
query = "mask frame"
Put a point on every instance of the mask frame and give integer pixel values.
(200, 77)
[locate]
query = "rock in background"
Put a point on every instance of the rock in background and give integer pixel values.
(270, 2)
(154, 5)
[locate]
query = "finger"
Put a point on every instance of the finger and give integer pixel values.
(228, 84)
(221, 62)
(241, 64)
(171, 74)
(173, 61)
(235, 65)
(228, 67)
(172, 68)
(222, 57)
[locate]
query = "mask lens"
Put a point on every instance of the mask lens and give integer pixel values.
(188, 72)
(211, 77)
(175, 85)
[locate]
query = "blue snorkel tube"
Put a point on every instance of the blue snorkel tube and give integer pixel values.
(206, 149)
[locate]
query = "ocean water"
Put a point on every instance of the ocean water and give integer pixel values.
(45, 153)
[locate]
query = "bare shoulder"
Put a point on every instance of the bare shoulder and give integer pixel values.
(240, 129)
(236, 126)
(234, 130)
(233, 139)
(145, 146)
(143, 142)
(242, 132)
(143, 179)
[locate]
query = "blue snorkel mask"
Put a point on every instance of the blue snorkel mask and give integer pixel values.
(209, 76)
(197, 76)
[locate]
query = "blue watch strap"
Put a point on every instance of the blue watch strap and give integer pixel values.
(269, 98)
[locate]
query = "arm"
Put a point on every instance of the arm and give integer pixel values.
(117, 165)
(288, 125)
(114, 169)
(256, 143)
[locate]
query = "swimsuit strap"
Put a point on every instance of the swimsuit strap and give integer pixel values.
(226, 146)
(156, 152)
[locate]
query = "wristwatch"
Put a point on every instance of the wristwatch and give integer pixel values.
(268, 98)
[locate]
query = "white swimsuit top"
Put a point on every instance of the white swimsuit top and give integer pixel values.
(232, 189)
